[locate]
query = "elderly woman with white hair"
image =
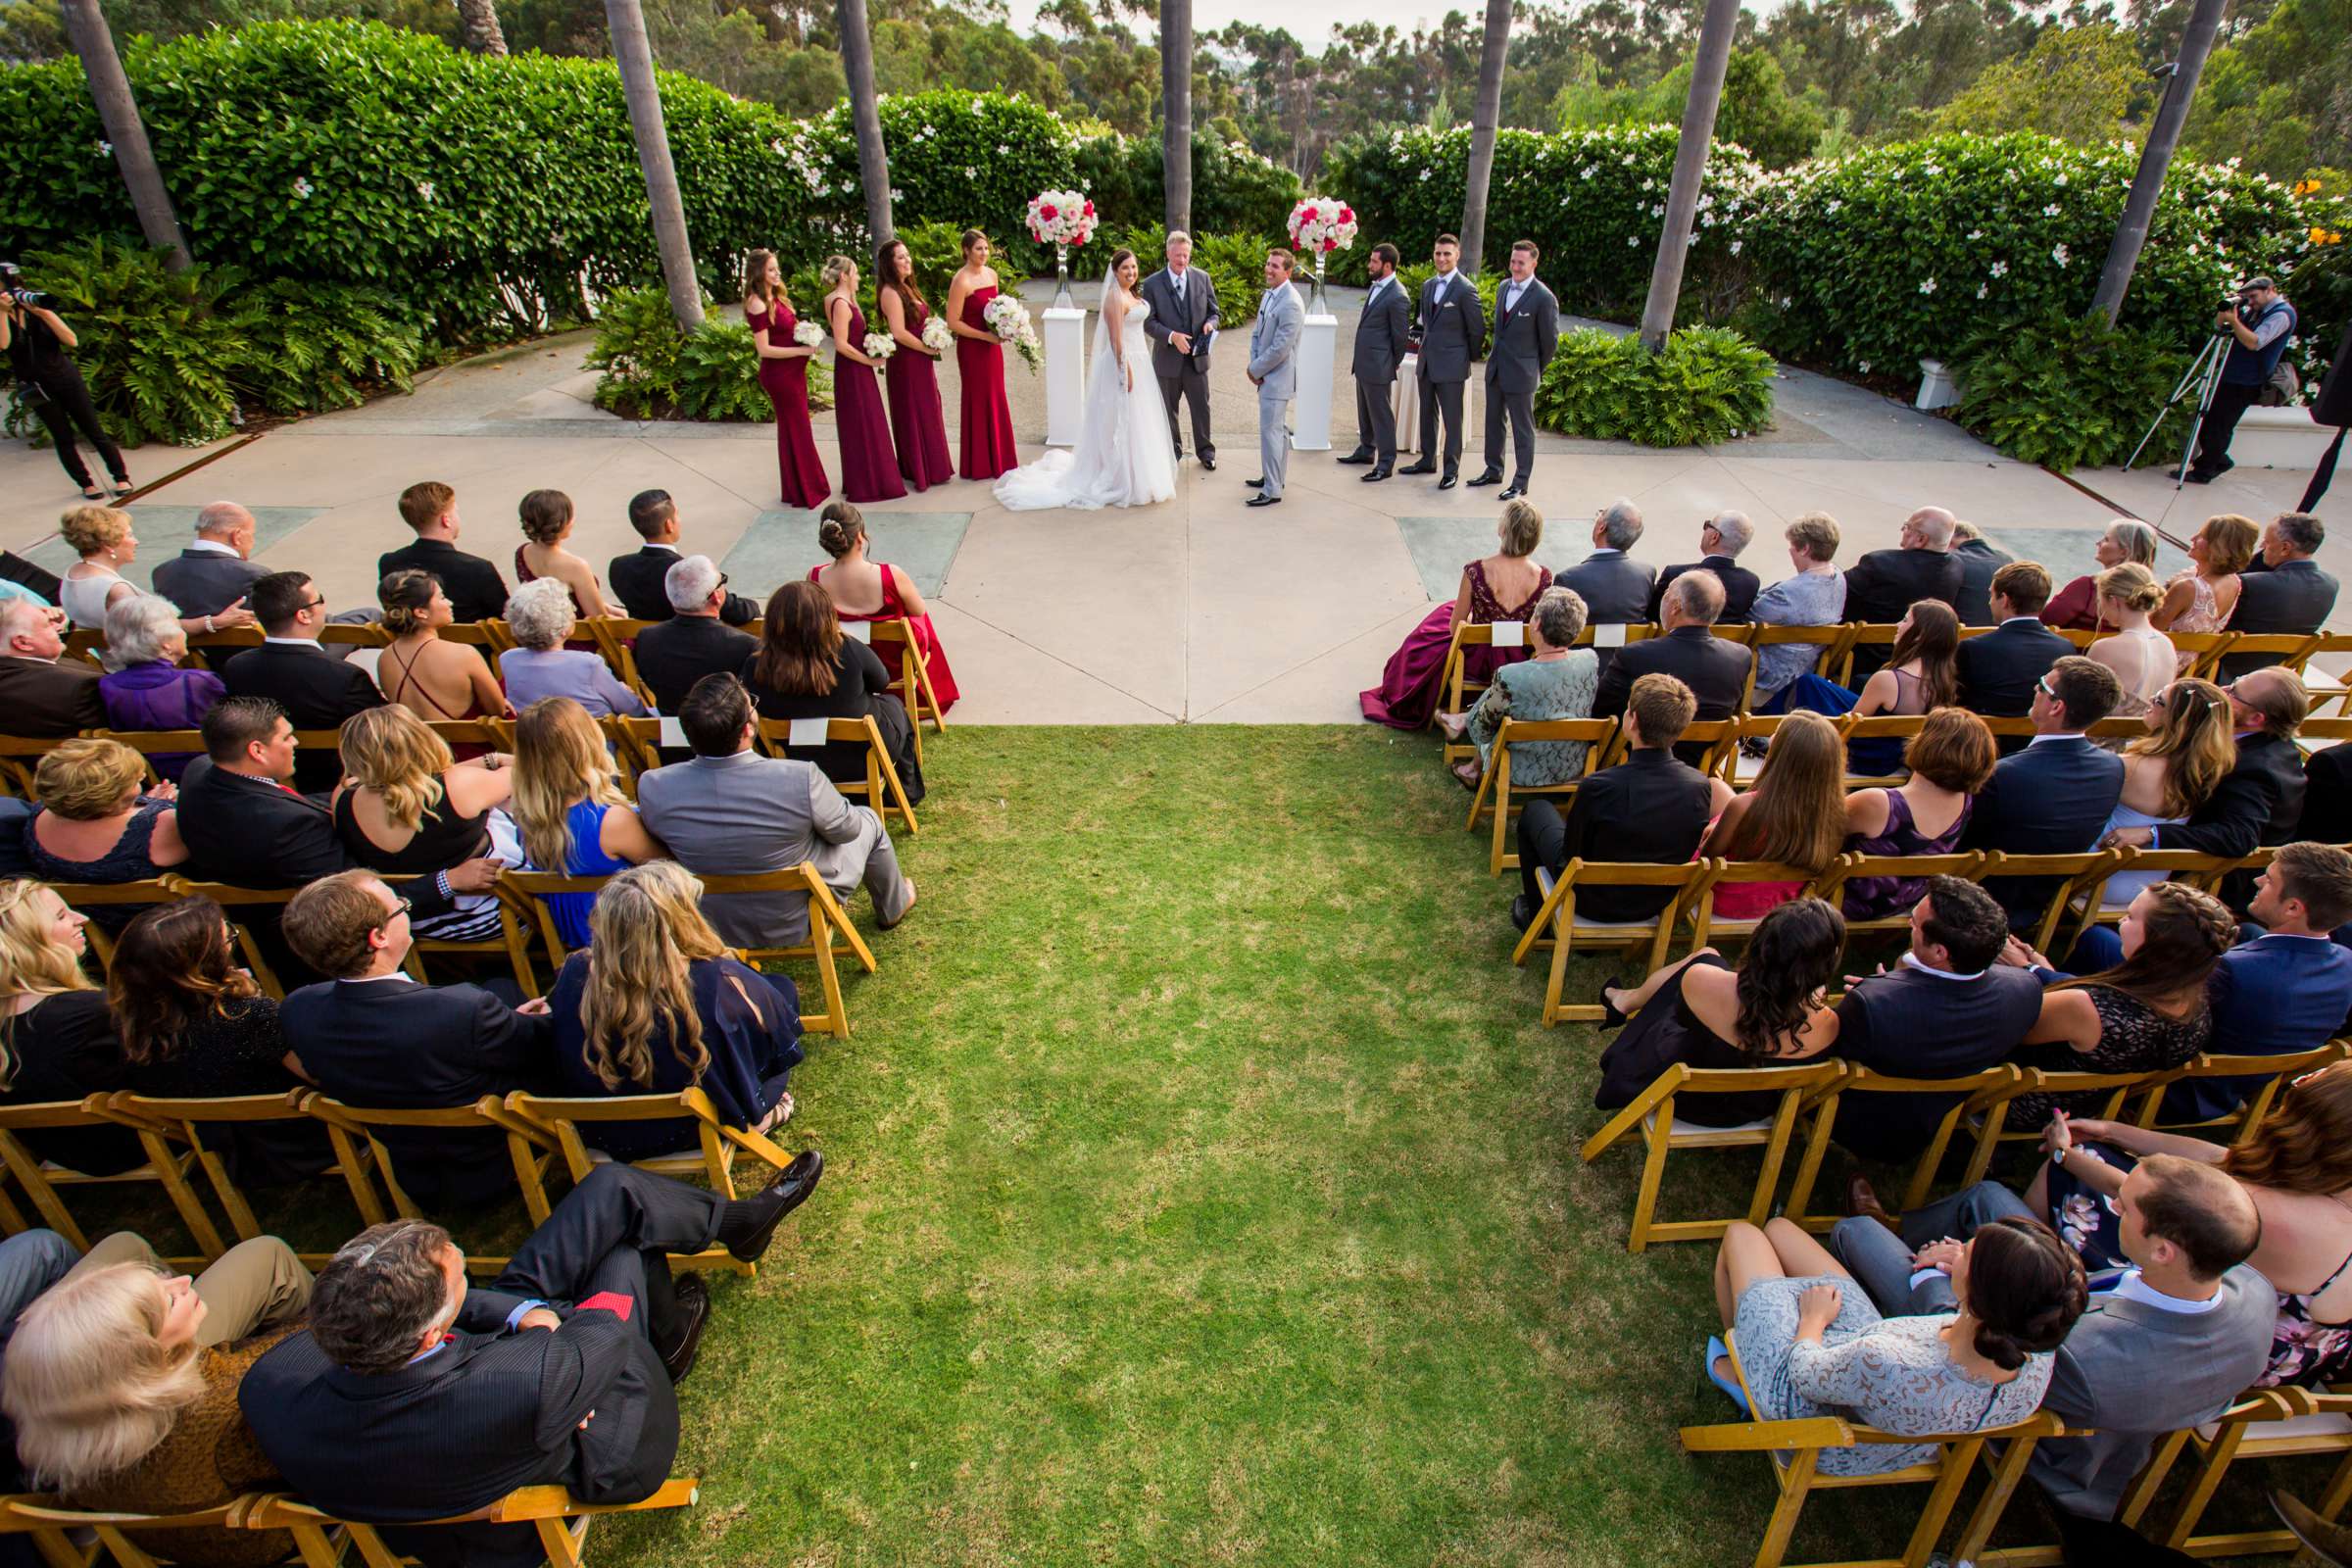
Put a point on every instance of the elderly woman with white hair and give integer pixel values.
(540, 615)
(2075, 606)
(145, 687)
(1555, 681)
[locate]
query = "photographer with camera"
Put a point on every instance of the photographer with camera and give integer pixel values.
(2263, 324)
(48, 383)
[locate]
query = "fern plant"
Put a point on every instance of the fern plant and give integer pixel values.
(324, 345)
(1708, 384)
(651, 371)
(2069, 391)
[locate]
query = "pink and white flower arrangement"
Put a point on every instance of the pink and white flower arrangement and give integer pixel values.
(1060, 218)
(1009, 319)
(1320, 225)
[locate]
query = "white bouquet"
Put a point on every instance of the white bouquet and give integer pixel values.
(1009, 319)
(808, 335)
(1060, 218)
(938, 337)
(879, 346)
(1320, 225)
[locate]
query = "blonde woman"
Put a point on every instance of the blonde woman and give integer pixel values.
(96, 822)
(570, 809)
(869, 463)
(406, 808)
(102, 537)
(657, 1004)
(1502, 586)
(57, 1039)
(2170, 773)
(2143, 658)
(547, 518)
(431, 678)
(123, 1381)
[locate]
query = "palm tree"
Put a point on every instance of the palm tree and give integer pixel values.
(1689, 170)
(626, 19)
(865, 111)
(477, 20)
(1483, 118)
(119, 115)
(2139, 208)
(1176, 117)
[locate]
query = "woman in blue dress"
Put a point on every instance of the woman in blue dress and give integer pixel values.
(569, 807)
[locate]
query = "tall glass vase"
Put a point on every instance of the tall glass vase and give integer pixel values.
(1316, 304)
(1061, 279)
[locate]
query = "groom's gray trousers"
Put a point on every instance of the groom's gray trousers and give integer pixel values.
(1274, 437)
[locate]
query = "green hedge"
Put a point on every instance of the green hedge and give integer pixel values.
(2071, 392)
(1707, 385)
(1234, 191)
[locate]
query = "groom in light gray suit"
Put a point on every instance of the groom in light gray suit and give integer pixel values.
(1274, 371)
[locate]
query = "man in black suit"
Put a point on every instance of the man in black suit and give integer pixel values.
(1383, 338)
(1715, 670)
(1527, 333)
(291, 669)
(217, 569)
(372, 1037)
(1721, 538)
(476, 590)
(1885, 584)
(2284, 592)
(2260, 802)
(411, 1397)
(638, 578)
(1979, 561)
(1449, 330)
(1947, 1010)
(42, 694)
(2054, 795)
(695, 640)
(1649, 807)
(1999, 669)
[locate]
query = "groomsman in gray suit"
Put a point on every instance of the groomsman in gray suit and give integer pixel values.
(1527, 329)
(1450, 331)
(1184, 315)
(1381, 339)
(1274, 371)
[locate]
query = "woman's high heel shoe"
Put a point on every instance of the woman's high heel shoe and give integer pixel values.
(1610, 1016)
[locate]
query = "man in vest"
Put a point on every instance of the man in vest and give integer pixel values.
(2262, 324)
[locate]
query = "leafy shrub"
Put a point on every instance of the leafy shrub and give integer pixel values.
(1706, 385)
(2068, 391)
(327, 345)
(647, 370)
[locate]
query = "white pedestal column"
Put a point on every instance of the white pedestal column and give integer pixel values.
(1065, 375)
(1310, 415)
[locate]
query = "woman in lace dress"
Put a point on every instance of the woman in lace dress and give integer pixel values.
(2204, 598)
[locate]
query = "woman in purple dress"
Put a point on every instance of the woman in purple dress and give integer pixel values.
(1504, 586)
(911, 375)
(870, 469)
(784, 376)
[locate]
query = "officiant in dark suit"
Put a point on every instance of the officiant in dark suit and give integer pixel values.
(1183, 300)
(1383, 338)
(1449, 330)
(1527, 329)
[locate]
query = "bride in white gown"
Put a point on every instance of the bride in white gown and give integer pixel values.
(1123, 456)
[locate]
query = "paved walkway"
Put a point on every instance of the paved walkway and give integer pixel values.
(1198, 610)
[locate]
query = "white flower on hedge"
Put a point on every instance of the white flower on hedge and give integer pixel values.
(1926, 287)
(1735, 244)
(425, 189)
(1585, 172)
(1982, 290)
(1863, 366)
(1425, 173)
(106, 149)
(1632, 240)
(2058, 255)
(1975, 233)
(302, 188)
(1932, 170)
(1832, 208)
(2059, 179)
(2050, 210)
(897, 195)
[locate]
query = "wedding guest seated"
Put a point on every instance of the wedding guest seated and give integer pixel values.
(290, 669)
(1651, 807)
(2076, 607)
(42, 694)
(429, 678)
(1997, 671)
(1614, 586)
(57, 1040)
(547, 518)
(1885, 584)
(123, 1381)
(2148, 1014)
(731, 811)
(1715, 670)
(1721, 538)
(96, 822)
(372, 1037)
(562, 1372)
(2202, 598)
(1950, 761)
(805, 667)
(863, 590)
(2258, 801)
(569, 808)
(1794, 814)
(1979, 559)
(657, 1004)
(1502, 586)
(1555, 682)
(102, 537)
(2176, 1341)
(638, 578)
(2143, 658)
(695, 640)
(541, 617)
(1949, 1009)
(213, 572)
(1813, 596)
(1919, 674)
(2170, 773)
(1701, 1011)
(1812, 1341)
(408, 809)
(2055, 794)
(476, 591)
(2286, 592)
(145, 686)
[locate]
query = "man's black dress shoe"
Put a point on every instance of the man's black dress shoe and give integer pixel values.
(1522, 912)
(2200, 477)
(1513, 492)
(1420, 467)
(1360, 459)
(1263, 500)
(1487, 477)
(787, 1192)
(1374, 477)
(1256, 485)
(1209, 460)
(1448, 482)
(694, 1312)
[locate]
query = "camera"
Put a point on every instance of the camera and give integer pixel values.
(11, 286)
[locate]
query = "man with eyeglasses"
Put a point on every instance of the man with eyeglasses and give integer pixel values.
(2054, 795)
(290, 669)
(695, 641)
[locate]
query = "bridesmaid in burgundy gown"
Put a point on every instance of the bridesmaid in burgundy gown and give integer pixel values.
(988, 449)
(869, 470)
(912, 373)
(784, 376)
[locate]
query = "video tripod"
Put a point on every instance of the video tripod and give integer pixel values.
(2204, 373)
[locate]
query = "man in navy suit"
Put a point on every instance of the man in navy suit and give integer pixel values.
(1614, 586)
(1999, 669)
(2054, 795)
(1721, 538)
(2284, 592)
(2260, 799)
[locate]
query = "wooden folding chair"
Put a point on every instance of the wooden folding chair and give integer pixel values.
(1557, 926)
(1982, 1095)
(233, 900)
(2317, 734)
(513, 944)
(1859, 635)
(2204, 647)
(40, 1180)
(1732, 762)
(560, 1519)
(490, 637)
(207, 1128)
(2268, 1075)
(1794, 1450)
(1853, 866)
(2062, 872)
(1699, 909)
(1597, 734)
(2329, 686)
(2085, 904)
(2264, 1424)
(636, 746)
(880, 789)
(616, 642)
(1878, 726)
(2275, 649)
(713, 1157)
(1804, 1089)
(1830, 640)
(2116, 1087)
(1457, 691)
(356, 1136)
(19, 756)
(913, 684)
(55, 1528)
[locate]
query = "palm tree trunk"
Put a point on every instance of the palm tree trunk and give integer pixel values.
(1689, 170)
(118, 114)
(1176, 113)
(865, 111)
(1482, 120)
(2139, 208)
(477, 20)
(625, 19)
